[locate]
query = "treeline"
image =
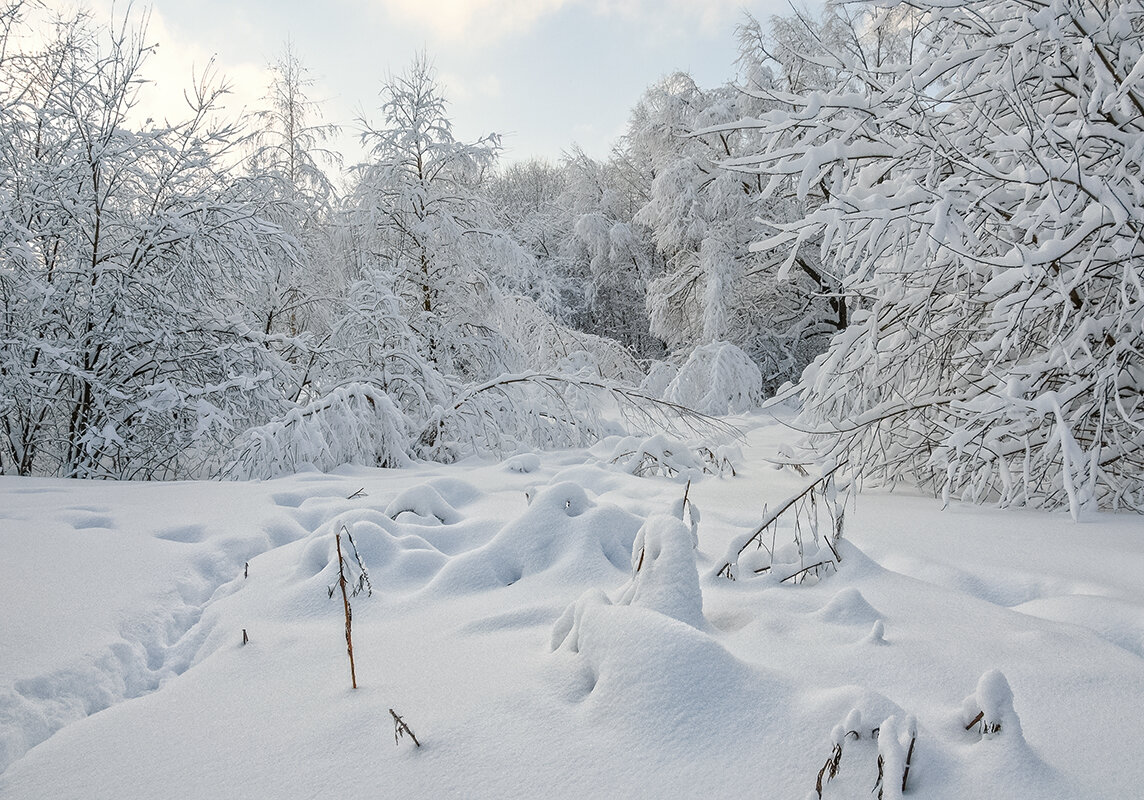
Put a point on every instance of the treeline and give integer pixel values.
(170, 289)
(926, 216)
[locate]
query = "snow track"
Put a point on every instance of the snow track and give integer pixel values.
(117, 651)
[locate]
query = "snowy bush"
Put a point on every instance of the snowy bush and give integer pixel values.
(659, 376)
(356, 424)
(989, 710)
(549, 411)
(655, 455)
(717, 379)
(664, 456)
(817, 516)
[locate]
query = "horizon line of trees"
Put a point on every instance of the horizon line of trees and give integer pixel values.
(921, 219)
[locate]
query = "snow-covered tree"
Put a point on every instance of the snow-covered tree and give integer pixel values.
(712, 285)
(614, 253)
(529, 200)
(984, 201)
(291, 153)
(126, 258)
(420, 218)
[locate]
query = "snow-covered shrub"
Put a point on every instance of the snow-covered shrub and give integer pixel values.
(896, 739)
(662, 455)
(514, 411)
(356, 424)
(659, 376)
(720, 459)
(717, 379)
(548, 345)
(656, 455)
(372, 342)
(817, 516)
(548, 410)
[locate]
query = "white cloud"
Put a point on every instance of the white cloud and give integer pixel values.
(474, 20)
(175, 64)
(486, 21)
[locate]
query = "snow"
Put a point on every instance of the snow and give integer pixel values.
(547, 626)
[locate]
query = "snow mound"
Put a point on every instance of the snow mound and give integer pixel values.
(1117, 622)
(717, 379)
(562, 531)
(877, 634)
(648, 675)
(523, 463)
(392, 558)
(848, 607)
(425, 504)
(989, 710)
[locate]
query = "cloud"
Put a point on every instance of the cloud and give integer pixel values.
(488, 21)
(470, 88)
(175, 64)
(475, 20)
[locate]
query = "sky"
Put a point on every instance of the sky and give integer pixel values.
(542, 73)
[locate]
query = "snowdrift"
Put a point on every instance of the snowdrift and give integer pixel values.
(552, 626)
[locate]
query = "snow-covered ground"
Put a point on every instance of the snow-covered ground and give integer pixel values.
(508, 628)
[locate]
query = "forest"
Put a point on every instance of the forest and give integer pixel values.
(920, 222)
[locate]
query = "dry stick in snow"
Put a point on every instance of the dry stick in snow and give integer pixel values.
(362, 582)
(909, 758)
(346, 603)
(400, 728)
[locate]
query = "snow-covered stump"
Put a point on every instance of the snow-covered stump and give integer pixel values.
(989, 710)
(664, 576)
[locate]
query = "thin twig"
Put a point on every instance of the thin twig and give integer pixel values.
(401, 728)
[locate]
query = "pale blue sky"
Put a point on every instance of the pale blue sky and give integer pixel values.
(543, 73)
